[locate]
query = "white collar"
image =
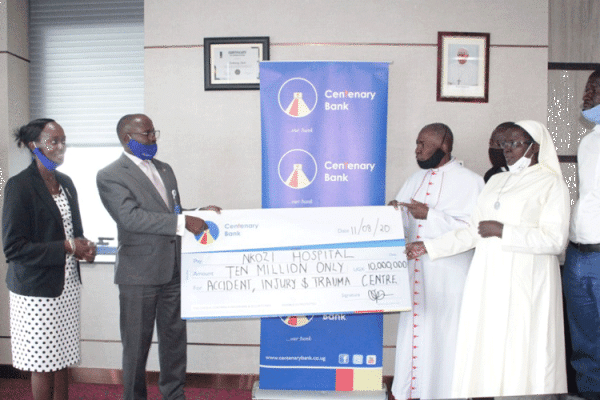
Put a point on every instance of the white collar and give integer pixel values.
(137, 161)
(450, 164)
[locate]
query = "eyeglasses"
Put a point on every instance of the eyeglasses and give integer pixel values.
(514, 144)
(156, 134)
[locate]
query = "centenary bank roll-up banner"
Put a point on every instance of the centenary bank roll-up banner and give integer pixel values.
(324, 131)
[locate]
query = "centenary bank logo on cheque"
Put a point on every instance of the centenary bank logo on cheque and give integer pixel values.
(212, 233)
(209, 235)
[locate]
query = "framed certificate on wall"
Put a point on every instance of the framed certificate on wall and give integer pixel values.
(232, 63)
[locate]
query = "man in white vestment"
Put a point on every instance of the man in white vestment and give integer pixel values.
(437, 199)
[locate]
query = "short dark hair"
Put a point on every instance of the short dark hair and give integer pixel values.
(444, 131)
(125, 119)
(595, 74)
(31, 132)
(124, 123)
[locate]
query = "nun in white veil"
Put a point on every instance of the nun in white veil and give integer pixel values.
(510, 333)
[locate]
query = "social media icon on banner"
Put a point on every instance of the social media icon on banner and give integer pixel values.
(344, 358)
(371, 359)
(357, 359)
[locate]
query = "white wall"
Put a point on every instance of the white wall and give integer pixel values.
(217, 125)
(212, 139)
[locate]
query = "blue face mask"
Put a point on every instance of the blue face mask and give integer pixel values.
(142, 151)
(46, 162)
(592, 114)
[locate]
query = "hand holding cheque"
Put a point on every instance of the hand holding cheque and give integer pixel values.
(197, 225)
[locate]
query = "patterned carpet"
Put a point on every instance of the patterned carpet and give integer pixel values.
(19, 389)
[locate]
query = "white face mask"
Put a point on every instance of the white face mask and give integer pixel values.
(521, 163)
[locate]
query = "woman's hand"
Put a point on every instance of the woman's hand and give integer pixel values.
(490, 228)
(81, 248)
(415, 250)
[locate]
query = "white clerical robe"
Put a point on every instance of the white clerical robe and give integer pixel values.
(427, 335)
(510, 335)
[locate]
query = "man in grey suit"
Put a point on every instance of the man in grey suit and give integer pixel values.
(140, 193)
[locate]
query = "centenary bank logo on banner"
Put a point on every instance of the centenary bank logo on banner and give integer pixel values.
(209, 235)
(297, 97)
(297, 321)
(297, 169)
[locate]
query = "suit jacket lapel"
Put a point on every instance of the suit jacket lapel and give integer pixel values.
(40, 187)
(138, 175)
(167, 181)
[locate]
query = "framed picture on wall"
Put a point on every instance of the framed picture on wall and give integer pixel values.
(232, 63)
(463, 66)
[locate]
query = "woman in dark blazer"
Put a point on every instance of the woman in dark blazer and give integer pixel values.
(43, 241)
